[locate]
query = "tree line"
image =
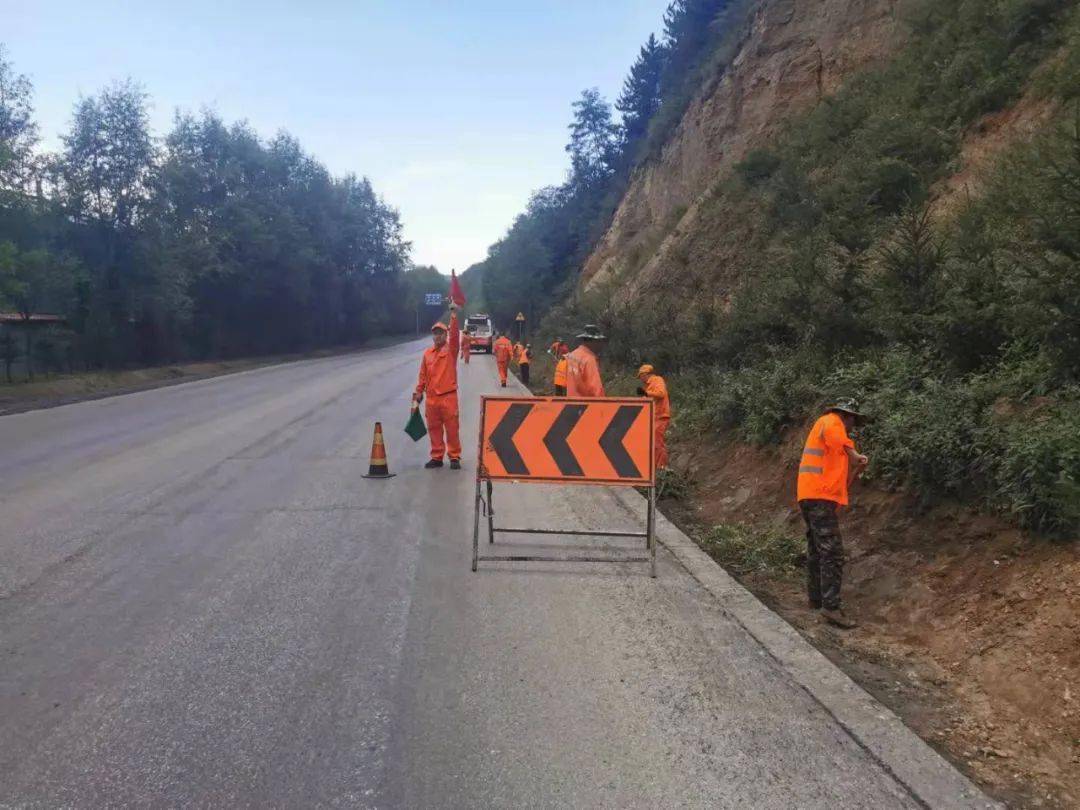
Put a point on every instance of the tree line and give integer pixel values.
(210, 242)
(536, 263)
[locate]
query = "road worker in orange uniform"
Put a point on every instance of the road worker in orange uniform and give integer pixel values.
(654, 387)
(466, 347)
(438, 382)
(525, 362)
(560, 372)
(583, 365)
(518, 350)
(830, 463)
(503, 351)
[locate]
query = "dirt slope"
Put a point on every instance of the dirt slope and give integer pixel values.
(790, 55)
(970, 630)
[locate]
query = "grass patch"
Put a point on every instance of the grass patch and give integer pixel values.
(744, 550)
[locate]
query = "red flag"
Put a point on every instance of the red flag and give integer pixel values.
(456, 294)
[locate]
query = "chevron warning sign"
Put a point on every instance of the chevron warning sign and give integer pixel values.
(567, 441)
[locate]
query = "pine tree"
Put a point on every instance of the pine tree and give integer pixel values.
(641, 97)
(688, 29)
(594, 143)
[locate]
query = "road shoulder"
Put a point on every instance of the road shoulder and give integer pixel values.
(930, 779)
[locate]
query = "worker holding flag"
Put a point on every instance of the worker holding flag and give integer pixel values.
(438, 383)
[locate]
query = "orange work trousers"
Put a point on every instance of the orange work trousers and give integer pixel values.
(660, 443)
(504, 366)
(442, 414)
(466, 353)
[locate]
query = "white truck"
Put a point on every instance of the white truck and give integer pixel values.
(482, 331)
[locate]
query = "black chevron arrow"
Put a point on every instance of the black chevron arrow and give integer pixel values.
(555, 439)
(612, 441)
(502, 439)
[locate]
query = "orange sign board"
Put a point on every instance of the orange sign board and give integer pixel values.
(567, 441)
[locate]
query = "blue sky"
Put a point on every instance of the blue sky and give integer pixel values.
(456, 110)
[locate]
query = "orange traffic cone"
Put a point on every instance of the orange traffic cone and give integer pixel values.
(379, 468)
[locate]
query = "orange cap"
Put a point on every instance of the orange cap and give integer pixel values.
(646, 369)
(440, 325)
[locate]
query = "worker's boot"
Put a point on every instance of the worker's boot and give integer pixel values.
(455, 464)
(837, 618)
(434, 464)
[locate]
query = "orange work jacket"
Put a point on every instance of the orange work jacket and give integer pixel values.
(503, 350)
(438, 366)
(823, 470)
(656, 390)
(583, 374)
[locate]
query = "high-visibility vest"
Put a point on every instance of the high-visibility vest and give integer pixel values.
(560, 373)
(823, 468)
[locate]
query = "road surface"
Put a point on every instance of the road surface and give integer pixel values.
(202, 602)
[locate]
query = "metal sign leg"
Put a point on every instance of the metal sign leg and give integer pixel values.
(491, 514)
(476, 527)
(650, 531)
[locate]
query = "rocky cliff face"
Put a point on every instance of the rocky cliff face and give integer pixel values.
(792, 53)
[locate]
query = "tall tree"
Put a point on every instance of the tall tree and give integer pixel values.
(640, 98)
(594, 141)
(18, 132)
(105, 171)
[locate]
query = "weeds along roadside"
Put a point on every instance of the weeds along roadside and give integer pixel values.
(958, 330)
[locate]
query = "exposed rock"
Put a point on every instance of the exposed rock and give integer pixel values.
(792, 53)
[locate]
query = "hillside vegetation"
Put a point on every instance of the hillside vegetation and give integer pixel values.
(826, 265)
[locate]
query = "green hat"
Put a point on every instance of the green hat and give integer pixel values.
(592, 332)
(850, 407)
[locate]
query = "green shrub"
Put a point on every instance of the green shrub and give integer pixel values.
(743, 549)
(1038, 475)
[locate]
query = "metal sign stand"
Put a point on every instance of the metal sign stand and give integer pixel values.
(549, 453)
(485, 505)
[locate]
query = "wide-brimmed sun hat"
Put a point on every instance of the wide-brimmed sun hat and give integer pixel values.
(592, 332)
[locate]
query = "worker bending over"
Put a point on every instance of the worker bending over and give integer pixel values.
(654, 387)
(438, 382)
(583, 365)
(830, 463)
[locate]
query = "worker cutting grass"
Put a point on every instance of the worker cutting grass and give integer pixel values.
(654, 387)
(583, 364)
(829, 465)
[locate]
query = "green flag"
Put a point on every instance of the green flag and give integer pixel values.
(416, 427)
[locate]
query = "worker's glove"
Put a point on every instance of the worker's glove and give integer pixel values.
(641, 392)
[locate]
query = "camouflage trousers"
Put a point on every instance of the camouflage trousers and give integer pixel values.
(824, 553)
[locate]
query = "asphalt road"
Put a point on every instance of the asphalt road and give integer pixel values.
(203, 603)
